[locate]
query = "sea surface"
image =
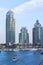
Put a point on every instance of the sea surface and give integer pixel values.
(24, 57)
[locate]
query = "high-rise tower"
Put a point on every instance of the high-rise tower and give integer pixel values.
(10, 27)
(37, 33)
(23, 36)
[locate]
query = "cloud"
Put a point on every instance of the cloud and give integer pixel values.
(38, 2)
(23, 7)
(27, 5)
(3, 11)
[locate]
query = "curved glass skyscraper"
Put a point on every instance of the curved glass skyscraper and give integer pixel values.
(10, 27)
(37, 33)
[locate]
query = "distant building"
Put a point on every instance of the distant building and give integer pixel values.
(37, 35)
(10, 27)
(42, 36)
(23, 36)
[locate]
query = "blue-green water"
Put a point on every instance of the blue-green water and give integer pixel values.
(23, 57)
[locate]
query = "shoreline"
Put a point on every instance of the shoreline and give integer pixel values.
(28, 49)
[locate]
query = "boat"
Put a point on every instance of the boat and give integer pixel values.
(15, 58)
(41, 52)
(33, 49)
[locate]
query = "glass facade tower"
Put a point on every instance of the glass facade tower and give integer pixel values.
(10, 27)
(23, 36)
(37, 33)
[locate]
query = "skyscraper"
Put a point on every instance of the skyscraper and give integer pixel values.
(37, 33)
(23, 36)
(10, 27)
(41, 36)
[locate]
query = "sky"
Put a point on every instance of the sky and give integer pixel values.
(26, 12)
